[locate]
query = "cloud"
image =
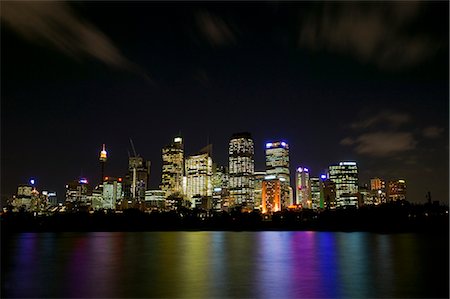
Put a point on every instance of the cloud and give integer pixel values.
(57, 25)
(432, 132)
(215, 30)
(373, 32)
(389, 118)
(381, 144)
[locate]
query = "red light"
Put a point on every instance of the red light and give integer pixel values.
(106, 178)
(120, 179)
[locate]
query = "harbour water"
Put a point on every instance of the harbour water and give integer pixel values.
(275, 264)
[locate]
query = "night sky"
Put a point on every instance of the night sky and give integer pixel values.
(359, 81)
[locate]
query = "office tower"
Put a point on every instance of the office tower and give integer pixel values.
(198, 169)
(303, 187)
(378, 189)
(316, 187)
(112, 192)
(328, 193)
(77, 193)
(221, 193)
(396, 190)
(155, 199)
(345, 176)
(271, 194)
(137, 180)
(258, 180)
(241, 169)
(103, 158)
(24, 197)
(277, 160)
(173, 167)
(367, 197)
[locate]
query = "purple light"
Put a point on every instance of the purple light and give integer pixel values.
(322, 176)
(306, 169)
(269, 145)
(283, 144)
(83, 181)
(32, 182)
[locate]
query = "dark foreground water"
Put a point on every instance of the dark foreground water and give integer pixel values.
(225, 264)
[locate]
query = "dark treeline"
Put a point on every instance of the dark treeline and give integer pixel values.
(385, 219)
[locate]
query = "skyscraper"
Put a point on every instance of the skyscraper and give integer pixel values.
(259, 178)
(173, 167)
(277, 160)
(396, 190)
(303, 187)
(198, 169)
(316, 188)
(271, 194)
(241, 169)
(345, 177)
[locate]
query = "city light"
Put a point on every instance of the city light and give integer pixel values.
(83, 181)
(32, 182)
(269, 145)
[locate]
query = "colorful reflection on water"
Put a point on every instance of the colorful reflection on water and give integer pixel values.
(224, 265)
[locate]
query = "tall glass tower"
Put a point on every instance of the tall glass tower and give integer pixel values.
(345, 177)
(241, 169)
(277, 160)
(173, 166)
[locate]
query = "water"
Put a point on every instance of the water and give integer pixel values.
(224, 264)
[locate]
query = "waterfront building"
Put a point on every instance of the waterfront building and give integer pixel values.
(198, 169)
(241, 169)
(396, 190)
(173, 167)
(329, 193)
(155, 199)
(112, 192)
(136, 181)
(271, 194)
(303, 187)
(78, 192)
(258, 180)
(378, 187)
(220, 187)
(277, 160)
(316, 190)
(345, 176)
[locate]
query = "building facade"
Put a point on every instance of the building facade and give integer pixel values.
(303, 187)
(396, 190)
(277, 160)
(345, 177)
(241, 169)
(173, 167)
(198, 169)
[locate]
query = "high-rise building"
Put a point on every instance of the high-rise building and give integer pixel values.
(198, 169)
(241, 169)
(396, 190)
(155, 199)
(345, 176)
(112, 192)
(173, 167)
(78, 192)
(303, 187)
(137, 180)
(220, 188)
(329, 193)
(316, 189)
(277, 160)
(378, 189)
(271, 194)
(259, 178)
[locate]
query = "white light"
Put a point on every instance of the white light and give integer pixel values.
(270, 177)
(178, 139)
(306, 169)
(268, 144)
(300, 169)
(282, 179)
(283, 143)
(217, 189)
(32, 182)
(347, 163)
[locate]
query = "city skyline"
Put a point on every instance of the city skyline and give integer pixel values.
(212, 69)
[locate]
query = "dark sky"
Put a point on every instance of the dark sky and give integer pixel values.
(355, 81)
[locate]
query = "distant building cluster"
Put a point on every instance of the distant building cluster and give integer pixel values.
(195, 181)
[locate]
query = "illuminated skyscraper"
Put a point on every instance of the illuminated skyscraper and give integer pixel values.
(137, 180)
(345, 177)
(316, 189)
(198, 169)
(378, 190)
(112, 192)
(259, 178)
(271, 194)
(277, 160)
(396, 190)
(303, 187)
(241, 169)
(172, 168)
